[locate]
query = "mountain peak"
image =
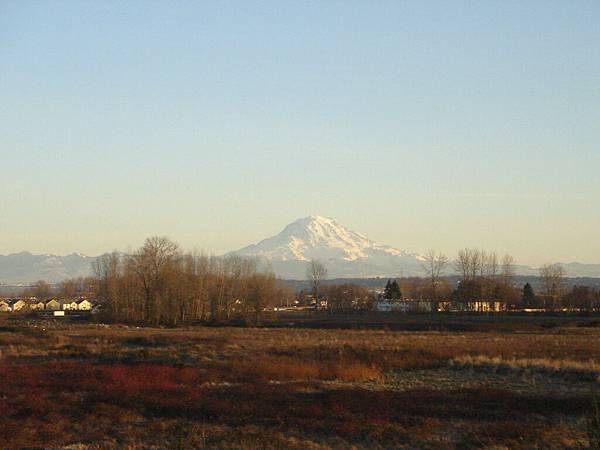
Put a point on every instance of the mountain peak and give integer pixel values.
(318, 232)
(313, 219)
(345, 252)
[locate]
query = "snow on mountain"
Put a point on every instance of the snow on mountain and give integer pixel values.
(344, 252)
(348, 254)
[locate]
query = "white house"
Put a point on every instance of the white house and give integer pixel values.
(69, 305)
(487, 306)
(405, 306)
(384, 305)
(84, 305)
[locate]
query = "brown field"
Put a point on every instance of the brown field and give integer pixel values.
(519, 385)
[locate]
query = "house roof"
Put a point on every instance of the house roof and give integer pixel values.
(34, 301)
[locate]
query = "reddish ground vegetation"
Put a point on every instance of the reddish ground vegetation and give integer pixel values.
(104, 387)
(34, 397)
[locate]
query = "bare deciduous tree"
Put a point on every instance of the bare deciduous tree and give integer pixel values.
(107, 269)
(468, 264)
(316, 272)
(508, 270)
(434, 265)
(552, 278)
(152, 263)
(41, 290)
(491, 265)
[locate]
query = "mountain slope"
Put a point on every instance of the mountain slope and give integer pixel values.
(344, 252)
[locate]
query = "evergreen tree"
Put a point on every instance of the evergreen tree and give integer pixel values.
(392, 291)
(387, 292)
(395, 293)
(528, 296)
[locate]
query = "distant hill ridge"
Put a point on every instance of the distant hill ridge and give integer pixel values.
(25, 267)
(345, 253)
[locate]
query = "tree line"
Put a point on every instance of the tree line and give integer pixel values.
(161, 284)
(71, 288)
(484, 276)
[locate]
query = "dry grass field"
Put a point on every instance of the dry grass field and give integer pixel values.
(94, 386)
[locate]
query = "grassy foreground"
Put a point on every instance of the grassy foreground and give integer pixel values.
(103, 387)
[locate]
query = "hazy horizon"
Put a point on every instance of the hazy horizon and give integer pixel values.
(130, 249)
(420, 125)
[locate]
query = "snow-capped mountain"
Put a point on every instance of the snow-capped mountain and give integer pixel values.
(25, 267)
(344, 252)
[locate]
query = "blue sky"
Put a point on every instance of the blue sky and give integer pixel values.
(420, 124)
